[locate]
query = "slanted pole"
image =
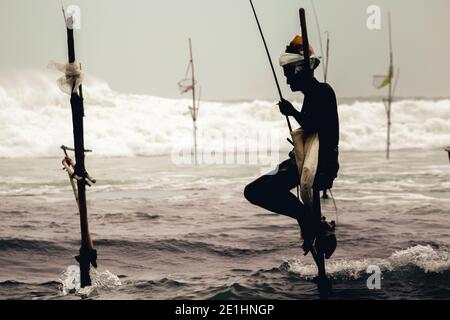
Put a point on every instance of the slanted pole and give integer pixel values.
(327, 55)
(324, 65)
(270, 62)
(305, 40)
(87, 254)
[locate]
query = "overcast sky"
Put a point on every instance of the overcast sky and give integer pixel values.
(141, 46)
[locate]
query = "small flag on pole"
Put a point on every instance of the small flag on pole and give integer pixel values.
(381, 81)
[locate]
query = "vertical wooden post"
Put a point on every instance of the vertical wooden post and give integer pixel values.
(87, 254)
(194, 106)
(389, 101)
(316, 211)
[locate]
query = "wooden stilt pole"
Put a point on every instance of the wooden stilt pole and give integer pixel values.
(325, 56)
(305, 40)
(194, 102)
(87, 256)
(316, 251)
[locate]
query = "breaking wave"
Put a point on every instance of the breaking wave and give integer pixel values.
(35, 121)
(424, 258)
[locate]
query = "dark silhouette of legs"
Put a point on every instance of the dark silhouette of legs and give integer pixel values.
(273, 192)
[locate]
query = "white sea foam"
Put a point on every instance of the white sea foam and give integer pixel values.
(424, 257)
(35, 120)
(70, 280)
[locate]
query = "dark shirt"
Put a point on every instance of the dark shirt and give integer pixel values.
(319, 114)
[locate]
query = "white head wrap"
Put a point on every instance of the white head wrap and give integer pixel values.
(288, 58)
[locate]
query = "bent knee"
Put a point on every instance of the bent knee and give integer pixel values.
(252, 193)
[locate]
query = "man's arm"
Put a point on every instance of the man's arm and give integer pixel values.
(308, 118)
(317, 112)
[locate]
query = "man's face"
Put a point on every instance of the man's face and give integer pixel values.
(297, 77)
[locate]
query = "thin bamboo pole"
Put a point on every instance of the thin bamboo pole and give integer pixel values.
(194, 103)
(390, 88)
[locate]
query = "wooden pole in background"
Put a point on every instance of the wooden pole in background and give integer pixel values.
(389, 102)
(87, 255)
(194, 106)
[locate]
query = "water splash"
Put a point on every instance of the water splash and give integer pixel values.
(70, 281)
(426, 258)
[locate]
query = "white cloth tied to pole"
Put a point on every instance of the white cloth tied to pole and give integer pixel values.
(73, 76)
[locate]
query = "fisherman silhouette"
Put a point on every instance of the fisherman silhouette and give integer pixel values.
(273, 190)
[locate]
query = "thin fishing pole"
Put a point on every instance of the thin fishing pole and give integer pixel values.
(64, 14)
(335, 208)
(320, 37)
(270, 61)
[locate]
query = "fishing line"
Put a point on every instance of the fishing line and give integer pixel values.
(335, 206)
(320, 38)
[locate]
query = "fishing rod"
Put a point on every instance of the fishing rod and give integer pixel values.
(270, 61)
(88, 255)
(327, 55)
(324, 65)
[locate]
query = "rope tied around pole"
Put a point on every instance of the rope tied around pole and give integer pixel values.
(73, 76)
(69, 166)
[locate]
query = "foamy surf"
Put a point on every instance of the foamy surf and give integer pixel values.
(70, 281)
(34, 115)
(425, 258)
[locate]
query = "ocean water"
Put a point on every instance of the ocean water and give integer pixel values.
(164, 230)
(170, 232)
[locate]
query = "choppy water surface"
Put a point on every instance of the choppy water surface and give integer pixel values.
(169, 232)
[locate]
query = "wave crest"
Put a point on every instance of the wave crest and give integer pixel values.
(425, 258)
(35, 121)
